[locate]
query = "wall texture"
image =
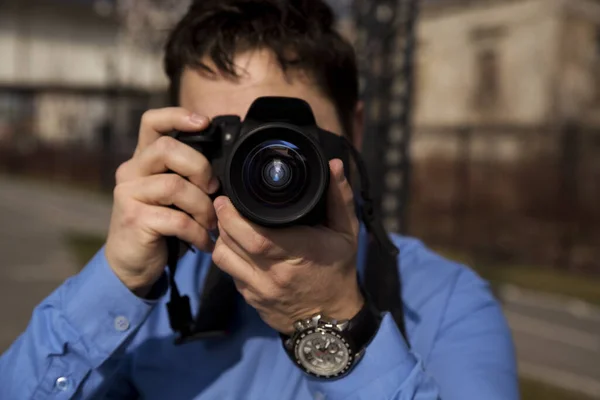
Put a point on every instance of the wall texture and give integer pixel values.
(521, 34)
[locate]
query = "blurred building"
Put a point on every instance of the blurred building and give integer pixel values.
(506, 145)
(519, 62)
(506, 142)
(68, 73)
(526, 63)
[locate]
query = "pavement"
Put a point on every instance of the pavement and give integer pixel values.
(557, 338)
(33, 258)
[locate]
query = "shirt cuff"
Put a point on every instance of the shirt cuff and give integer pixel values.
(102, 310)
(386, 364)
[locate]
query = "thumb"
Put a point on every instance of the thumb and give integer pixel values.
(341, 213)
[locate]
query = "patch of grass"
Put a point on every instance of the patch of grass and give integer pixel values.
(84, 245)
(533, 390)
(544, 280)
(549, 280)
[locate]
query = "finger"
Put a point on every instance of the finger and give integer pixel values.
(257, 241)
(341, 212)
(156, 123)
(163, 222)
(231, 263)
(251, 238)
(172, 189)
(169, 154)
(233, 245)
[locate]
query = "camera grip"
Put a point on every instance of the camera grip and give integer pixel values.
(203, 142)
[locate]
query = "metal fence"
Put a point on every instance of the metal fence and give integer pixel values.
(511, 194)
(70, 164)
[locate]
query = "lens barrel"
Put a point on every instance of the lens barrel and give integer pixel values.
(278, 176)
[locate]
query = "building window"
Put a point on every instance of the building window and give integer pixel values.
(487, 72)
(487, 85)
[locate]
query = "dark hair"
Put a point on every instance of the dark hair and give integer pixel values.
(300, 33)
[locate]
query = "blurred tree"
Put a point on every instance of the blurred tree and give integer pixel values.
(146, 23)
(142, 27)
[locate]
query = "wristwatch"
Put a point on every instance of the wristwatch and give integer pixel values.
(329, 349)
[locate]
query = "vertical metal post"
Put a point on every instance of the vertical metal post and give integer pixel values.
(386, 45)
(462, 185)
(568, 191)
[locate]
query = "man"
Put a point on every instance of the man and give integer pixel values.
(105, 332)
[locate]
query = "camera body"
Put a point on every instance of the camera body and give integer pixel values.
(274, 165)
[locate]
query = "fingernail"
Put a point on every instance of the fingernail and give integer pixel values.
(198, 119)
(219, 203)
(213, 185)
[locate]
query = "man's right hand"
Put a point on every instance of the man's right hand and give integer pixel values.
(141, 218)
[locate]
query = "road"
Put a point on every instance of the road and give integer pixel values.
(558, 340)
(33, 257)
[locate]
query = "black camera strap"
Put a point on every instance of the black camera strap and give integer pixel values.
(219, 301)
(382, 280)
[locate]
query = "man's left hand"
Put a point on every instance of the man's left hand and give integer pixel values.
(292, 273)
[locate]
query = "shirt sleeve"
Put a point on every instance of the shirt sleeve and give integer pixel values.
(472, 357)
(75, 342)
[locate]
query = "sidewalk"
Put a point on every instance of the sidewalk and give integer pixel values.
(33, 258)
(557, 339)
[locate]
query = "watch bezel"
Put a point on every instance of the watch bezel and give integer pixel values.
(355, 333)
(352, 354)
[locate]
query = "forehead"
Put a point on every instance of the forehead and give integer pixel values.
(260, 75)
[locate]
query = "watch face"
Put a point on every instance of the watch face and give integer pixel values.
(323, 353)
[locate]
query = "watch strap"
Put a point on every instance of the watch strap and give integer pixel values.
(363, 327)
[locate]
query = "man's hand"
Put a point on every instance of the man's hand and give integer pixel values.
(136, 247)
(293, 273)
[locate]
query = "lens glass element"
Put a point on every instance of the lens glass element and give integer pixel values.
(275, 173)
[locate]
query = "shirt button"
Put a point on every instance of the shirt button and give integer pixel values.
(121, 323)
(62, 383)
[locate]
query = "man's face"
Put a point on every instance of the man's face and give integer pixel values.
(260, 75)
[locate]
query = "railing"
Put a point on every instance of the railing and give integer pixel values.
(523, 195)
(71, 164)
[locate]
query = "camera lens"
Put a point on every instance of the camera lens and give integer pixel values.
(277, 174)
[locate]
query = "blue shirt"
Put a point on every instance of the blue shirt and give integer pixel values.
(92, 338)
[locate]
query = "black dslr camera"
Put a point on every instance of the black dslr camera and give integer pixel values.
(274, 166)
